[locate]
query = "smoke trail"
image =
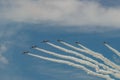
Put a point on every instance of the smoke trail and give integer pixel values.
(70, 58)
(105, 72)
(109, 70)
(87, 49)
(107, 77)
(96, 55)
(71, 52)
(83, 47)
(82, 56)
(116, 75)
(112, 49)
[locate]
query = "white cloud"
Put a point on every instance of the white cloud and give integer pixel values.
(62, 12)
(116, 59)
(7, 31)
(63, 73)
(3, 49)
(3, 59)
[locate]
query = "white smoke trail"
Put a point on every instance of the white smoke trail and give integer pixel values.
(112, 49)
(83, 47)
(104, 72)
(116, 75)
(71, 52)
(82, 56)
(109, 70)
(96, 55)
(70, 58)
(107, 77)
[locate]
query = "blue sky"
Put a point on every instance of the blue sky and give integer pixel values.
(24, 23)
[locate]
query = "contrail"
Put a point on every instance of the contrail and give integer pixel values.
(107, 77)
(82, 56)
(112, 49)
(95, 54)
(70, 58)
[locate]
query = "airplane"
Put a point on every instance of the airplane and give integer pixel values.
(59, 40)
(77, 42)
(44, 41)
(25, 52)
(105, 42)
(34, 46)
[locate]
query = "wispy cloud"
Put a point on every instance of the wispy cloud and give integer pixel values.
(63, 73)
(3, 60)
(6, 33)
(62, 12)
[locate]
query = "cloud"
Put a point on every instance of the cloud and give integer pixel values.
(63, 12)
(7, 32)
(3, 49)
(116, 59)
(62, 73)
(3, 59)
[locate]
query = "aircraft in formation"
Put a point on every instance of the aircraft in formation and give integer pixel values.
(44, 41)
(105, 42)
(77, 42)
(34, 46)
(59, 40)
(25, 52)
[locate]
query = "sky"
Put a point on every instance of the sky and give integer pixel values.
(24, 23)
